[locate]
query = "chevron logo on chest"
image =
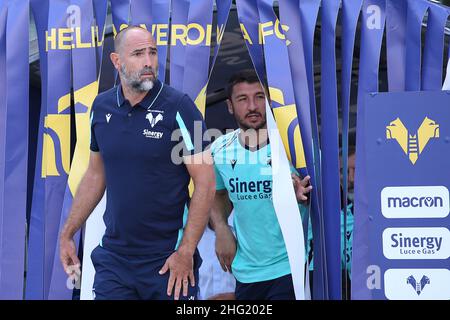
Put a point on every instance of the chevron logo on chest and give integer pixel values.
(154, 119)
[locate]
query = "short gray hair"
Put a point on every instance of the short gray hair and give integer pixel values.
(120, 36)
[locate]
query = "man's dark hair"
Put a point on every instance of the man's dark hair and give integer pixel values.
(248, 75)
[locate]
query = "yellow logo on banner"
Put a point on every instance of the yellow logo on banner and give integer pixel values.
(85, 96)
(57, 133)
(412, 144)
(59, 124)
(284, 116)
(200, 101)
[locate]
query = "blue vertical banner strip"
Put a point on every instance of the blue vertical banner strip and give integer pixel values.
(100, 12)
(34, 289)
(309, 10)
(14, 161)
(197, 52)
(283, 105)
(280, 83)
(372, 29)
(155, 16)
(416, 13)
(57, 123)
(3, 110)
(433, 55)
(54, 152)
(350, 14)
(396, 14)
(223, 11)
(249, 22)
(120, 12)
(160, 30)
(85, 87)
(3, 102)
(290, 24)
(330, 147)
(179, 19)
(290, 16)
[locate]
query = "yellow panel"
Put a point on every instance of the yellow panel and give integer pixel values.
(191, 188)
(60, 123)
(284, 117)
(86, 95)
(200, 101)
(80, 161)
(299, 151)
(64, 103)
(413, 157)
(48, 158)
(428, 129)
(276, 95)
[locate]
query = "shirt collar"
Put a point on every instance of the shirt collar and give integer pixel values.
(255, 148)
(148, 99)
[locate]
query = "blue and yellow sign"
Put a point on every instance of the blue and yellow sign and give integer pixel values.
(412, 144)
(408, 181)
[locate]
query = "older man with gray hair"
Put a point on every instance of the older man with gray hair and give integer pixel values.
(148, 250)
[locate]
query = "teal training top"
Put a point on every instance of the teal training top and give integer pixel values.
(346, 260)
(247, 176)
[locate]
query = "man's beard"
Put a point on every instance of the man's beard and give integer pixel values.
(134, 79)
(244, 126)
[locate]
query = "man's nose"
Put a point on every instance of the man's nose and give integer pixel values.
(148, 60)
(252, 106)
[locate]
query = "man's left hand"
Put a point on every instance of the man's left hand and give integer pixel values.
(301, 187)
(180, 265)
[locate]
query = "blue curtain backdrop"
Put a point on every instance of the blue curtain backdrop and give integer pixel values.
(323, 47)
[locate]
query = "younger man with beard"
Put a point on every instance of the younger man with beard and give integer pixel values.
(257, 257)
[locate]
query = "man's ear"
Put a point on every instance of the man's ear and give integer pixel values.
(230, 106)
(115, 60)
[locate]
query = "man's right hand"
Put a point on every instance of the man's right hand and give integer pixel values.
(225, 247)
(68, 256)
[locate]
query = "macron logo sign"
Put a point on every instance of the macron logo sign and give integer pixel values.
(415, 202)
